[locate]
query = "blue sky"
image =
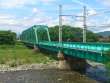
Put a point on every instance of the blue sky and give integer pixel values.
(17, 15)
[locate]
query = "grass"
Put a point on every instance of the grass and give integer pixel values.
(20, 55)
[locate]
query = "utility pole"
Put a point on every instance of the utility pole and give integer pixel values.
(60, 23)
(84, 24)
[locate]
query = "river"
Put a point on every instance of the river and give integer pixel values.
(99, 73)
(44, 76)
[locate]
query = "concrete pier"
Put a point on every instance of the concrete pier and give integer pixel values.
(68, 63)
(63, 64)
(35, 48)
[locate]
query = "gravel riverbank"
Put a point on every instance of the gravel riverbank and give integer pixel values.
(40, 73)
(40, 66)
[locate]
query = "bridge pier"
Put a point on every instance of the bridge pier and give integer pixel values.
(77, 64)
(63, 64)
(35, 48)
(68, 63)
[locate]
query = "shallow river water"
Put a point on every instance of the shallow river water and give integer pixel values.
(99, 73)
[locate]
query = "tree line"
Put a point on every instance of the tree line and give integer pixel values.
(69, 33)
(7, 37)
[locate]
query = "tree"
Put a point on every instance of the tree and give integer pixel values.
(72, 34)
(69, 33)
(7, 37)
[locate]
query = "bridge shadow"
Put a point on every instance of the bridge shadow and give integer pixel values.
(44, 51)
(76, 64)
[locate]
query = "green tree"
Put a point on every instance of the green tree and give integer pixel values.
(7, 37)
(69, 33)
(72, 34)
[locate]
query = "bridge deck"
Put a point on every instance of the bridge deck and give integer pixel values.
(91, 51)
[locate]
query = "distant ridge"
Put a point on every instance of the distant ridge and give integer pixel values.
(104, 34)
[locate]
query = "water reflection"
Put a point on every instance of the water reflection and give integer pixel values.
(99, 73)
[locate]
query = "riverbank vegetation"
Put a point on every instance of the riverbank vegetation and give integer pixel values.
(15, 55)
(7, 37)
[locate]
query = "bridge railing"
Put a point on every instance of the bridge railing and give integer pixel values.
(88, 46)
(100, 47)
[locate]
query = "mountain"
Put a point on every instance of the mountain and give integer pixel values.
(104, 34)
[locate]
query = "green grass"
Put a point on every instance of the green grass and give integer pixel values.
(20, 55)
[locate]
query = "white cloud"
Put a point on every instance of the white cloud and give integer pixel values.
(92, 12)
(7, 19)
(78, 24)
(21, 3)
(35, 10)
(105, 2)
(82, 4)
(38, 16)
(4, 16)
(15, 3)
(47, 1)
(53, 22)
(9, 22)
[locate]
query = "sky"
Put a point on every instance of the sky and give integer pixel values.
(18, 15)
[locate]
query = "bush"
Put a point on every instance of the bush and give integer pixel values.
(7, 37)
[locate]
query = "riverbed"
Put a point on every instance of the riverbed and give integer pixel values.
(44, 76)
(49, 73)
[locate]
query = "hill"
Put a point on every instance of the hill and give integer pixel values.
(105, 33)
(69, 33)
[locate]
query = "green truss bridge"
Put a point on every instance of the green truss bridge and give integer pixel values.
(91, 51)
